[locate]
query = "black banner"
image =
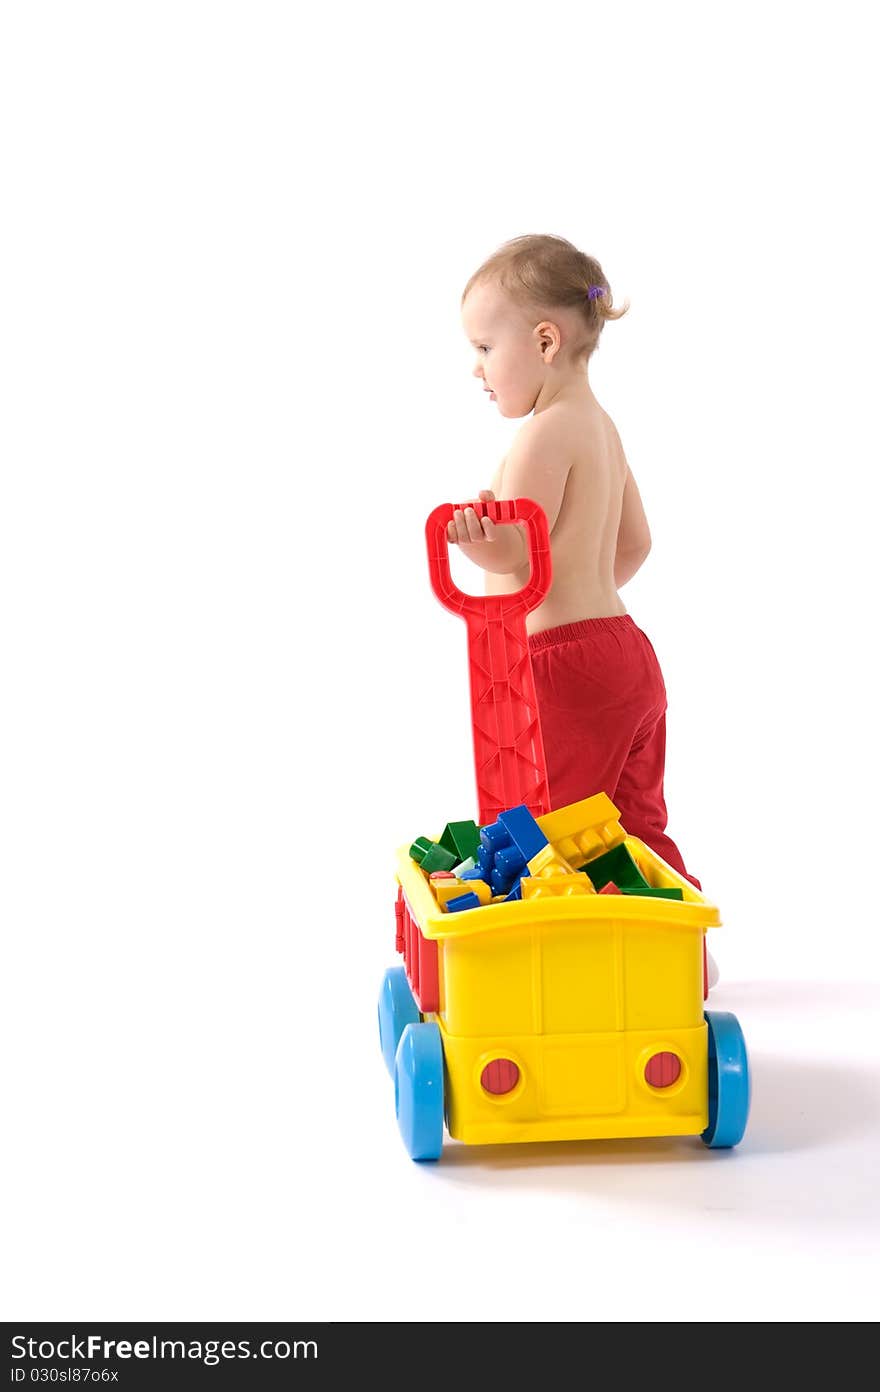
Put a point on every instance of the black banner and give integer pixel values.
(351, 1355)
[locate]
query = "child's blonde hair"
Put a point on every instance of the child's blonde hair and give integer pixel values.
(542, 272)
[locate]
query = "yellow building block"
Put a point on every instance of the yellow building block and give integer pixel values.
(563, 886)
(583, 830)
(548, 861)
(444, 890)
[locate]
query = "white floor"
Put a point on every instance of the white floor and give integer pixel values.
(784, 1227)
(270, 1192)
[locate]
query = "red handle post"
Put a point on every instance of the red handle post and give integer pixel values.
(508, 747)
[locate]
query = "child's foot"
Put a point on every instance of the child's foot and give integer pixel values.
(712, 972)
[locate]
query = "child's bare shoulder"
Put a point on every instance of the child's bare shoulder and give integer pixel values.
(570, 430)
(543, 444)
(557, 425)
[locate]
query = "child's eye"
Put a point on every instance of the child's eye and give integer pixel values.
(483, 348)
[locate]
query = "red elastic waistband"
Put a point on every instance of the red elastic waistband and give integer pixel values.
(584, 628)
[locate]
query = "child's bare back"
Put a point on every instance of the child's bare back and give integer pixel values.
(570, 459)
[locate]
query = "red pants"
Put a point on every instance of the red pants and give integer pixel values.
(602, 703)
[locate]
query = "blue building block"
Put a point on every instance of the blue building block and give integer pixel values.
(509, 860)
(523, 831)
(485, 860)
(516, 892)
(463, 901)
(494, 836)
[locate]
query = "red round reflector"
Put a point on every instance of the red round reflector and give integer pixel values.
(499, 1076)
(662, 1070)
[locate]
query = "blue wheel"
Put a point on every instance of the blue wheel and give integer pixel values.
(418, 1090)
(397, 1009)
(729, 1083)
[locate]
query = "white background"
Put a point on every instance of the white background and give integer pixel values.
(234, 385)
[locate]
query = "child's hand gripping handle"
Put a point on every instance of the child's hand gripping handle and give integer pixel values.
(508, 748)
(523, 510)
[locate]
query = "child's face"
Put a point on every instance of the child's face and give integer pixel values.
(509, 359)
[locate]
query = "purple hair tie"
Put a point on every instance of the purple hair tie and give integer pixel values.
(595, 291)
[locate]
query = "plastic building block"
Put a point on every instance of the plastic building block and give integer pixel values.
(655, 892)
(469, 864)
(617, 865)
(493, 837)
(463, 901)
(549, 862)
(419, 848)
(441, 875)
(499, 860)
(555, 886)
(455, 889)
(583, 830)
(516, 889)
(461, 837)
(500, 882)
(508, 747)
(509, 860)
(610, 888)
(481, 889)
(523, 831)
(438, 858)
(444, 890)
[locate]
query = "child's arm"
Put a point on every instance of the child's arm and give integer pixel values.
(633, 534)
(537, 467)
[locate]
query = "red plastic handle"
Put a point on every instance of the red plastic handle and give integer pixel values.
(508, 747)
(523, 510)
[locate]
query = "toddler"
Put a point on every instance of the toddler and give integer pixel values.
(533, 313)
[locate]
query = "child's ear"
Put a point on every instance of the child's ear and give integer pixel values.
(548, 339)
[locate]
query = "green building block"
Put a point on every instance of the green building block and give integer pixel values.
(461, 837)
(656, 892)
(438, 858)
(420, 848)
(617, 865)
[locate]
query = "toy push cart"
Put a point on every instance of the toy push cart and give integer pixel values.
(565, 1009)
